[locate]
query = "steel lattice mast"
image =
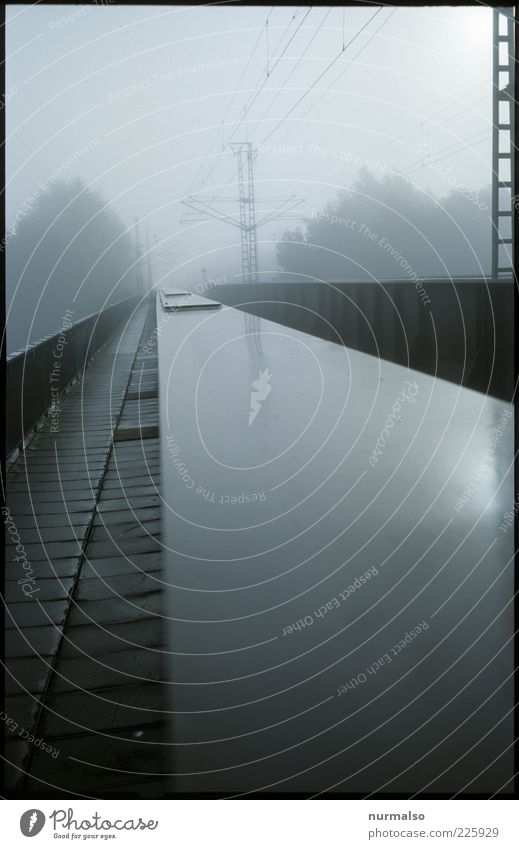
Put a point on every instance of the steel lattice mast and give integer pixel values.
(246, 222)
(249, 252)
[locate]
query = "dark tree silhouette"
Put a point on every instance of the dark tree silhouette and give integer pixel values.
(386, 229)
(69, 252)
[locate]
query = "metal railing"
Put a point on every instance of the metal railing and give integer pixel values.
(461, 330)
(40, 373)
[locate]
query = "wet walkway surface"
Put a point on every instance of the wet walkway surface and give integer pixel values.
(85, 705)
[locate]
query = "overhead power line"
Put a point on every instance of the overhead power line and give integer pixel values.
(352, 40)
(222, 122)
(321, 75)
(459, 149)
(256, 91)
(341, 72)
(283, 84)
(435, 114)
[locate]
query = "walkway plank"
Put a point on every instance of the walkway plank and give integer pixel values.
(104, 703)
(52, 492)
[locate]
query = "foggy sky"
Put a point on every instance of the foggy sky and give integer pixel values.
(131, 100)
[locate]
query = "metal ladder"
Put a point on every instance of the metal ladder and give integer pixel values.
(502, 143)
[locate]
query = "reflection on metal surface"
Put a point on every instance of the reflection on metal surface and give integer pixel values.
(177, 299)
(252, 332)
(334, 624)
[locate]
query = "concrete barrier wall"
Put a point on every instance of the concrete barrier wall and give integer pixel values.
(463, 334)
(29, 372)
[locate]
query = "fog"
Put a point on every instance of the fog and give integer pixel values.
(378, 116)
